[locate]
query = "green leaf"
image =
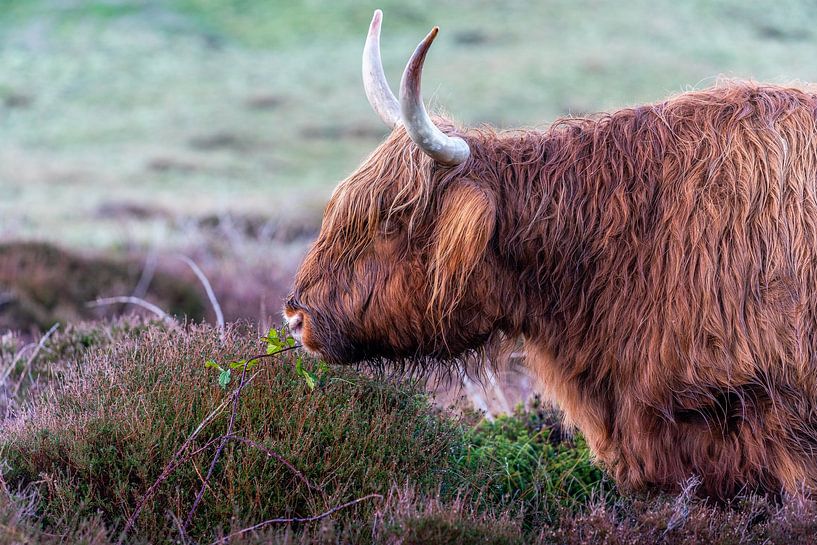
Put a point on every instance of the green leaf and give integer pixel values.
(238, 364)
(310, 379)
(274, 342)
(224, 379)
(209, 364)
(308, 376)
(291, 341)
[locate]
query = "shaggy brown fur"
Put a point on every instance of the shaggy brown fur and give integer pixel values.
(660, 263)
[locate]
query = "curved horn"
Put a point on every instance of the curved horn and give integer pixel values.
(374, 79)
(442, 148)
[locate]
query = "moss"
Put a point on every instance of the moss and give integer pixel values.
(528, 461)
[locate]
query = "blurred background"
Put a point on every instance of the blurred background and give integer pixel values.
(135, 131)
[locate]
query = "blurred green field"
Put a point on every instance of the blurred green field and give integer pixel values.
(181, 108)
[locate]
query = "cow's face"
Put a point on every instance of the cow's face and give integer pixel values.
(404, 263)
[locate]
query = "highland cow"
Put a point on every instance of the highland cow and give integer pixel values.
(659, 263)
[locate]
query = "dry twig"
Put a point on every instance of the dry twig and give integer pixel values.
(208, 288)
(296, 519)
(130, 300)
(217, 455)
(148, 271)
(179, 457)
(33, 355)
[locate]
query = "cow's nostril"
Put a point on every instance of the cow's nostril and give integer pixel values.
(296, 324)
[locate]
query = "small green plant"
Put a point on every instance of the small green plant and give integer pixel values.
(277, 341)
(527, 458)
(224, 374)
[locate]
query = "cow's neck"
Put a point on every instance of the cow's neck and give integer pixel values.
(556, 225)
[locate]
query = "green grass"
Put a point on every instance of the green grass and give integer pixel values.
(195, 106)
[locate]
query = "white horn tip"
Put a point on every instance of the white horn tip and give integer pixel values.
(377, 18)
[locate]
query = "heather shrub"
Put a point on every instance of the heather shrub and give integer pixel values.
(413, 519)
(116, 401)
(102, 434)
(42, 284)
(27, 366)
(684, 520)
(18, 525)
